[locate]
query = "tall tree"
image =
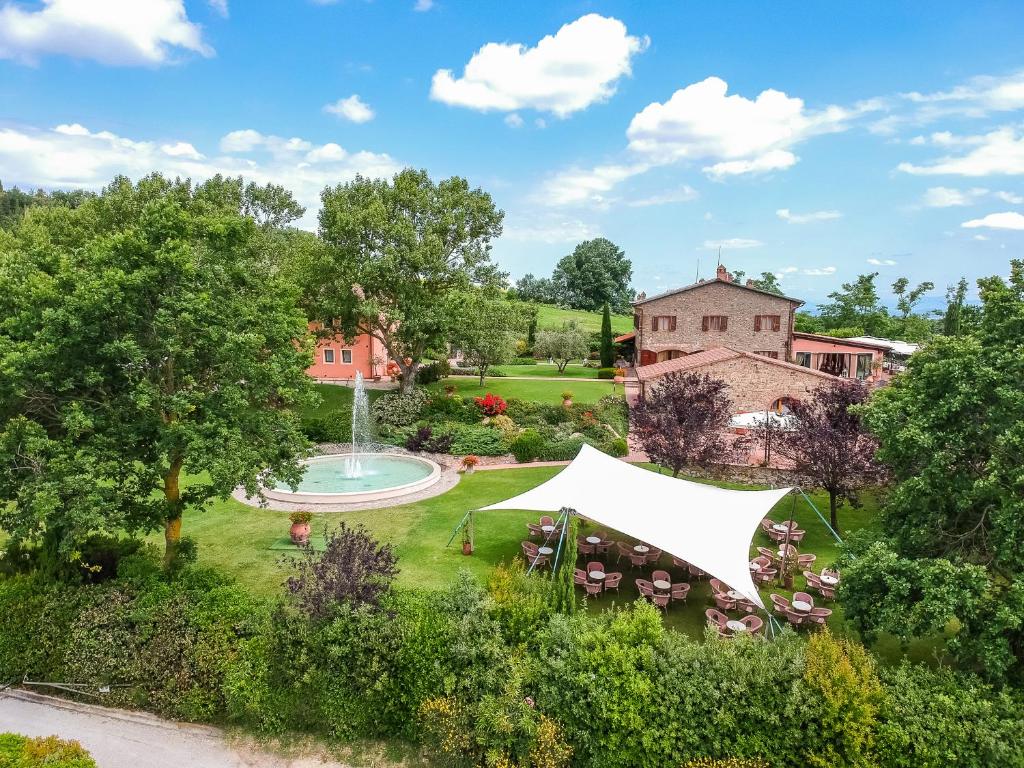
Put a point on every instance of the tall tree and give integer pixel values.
(395, 253)
(607, 342)
(535, 289)
(907, 299)
(595, 273)
(682, 422)
(856, 305)
(487, 330)
(951, 430)
(828, 442)
(144, 339)
(952, 320)
(570, 342)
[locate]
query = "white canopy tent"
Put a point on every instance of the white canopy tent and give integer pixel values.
(707, 526)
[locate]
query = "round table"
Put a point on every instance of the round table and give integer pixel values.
(830, 581)
(782, 553)
(732, 594)
(597, 575)
(547, 528)
(780, 527)
(641, 549)
(544, 550)
(754, 567)
(736, 626)
(801, 605)
(662, 584)
(593, 539)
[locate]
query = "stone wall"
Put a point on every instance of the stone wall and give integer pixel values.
(717, 297)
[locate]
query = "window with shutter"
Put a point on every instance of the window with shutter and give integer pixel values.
(705, 324)
(672, 323)
(776, 322)
(757, 322)
(654, 323)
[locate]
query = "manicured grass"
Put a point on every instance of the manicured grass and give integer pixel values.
(549, 316)
(540, 391)
(335, 398)
(246, 542)
(544, 370)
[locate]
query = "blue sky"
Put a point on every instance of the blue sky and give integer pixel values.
(814, 140)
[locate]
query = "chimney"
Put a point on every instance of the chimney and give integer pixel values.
(750, 283)
(641, 296)
(723, 274)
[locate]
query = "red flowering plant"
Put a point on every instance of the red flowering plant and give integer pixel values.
(490, 405)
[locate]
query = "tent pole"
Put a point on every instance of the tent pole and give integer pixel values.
(818, 513)
(458, 528)
(564, 519)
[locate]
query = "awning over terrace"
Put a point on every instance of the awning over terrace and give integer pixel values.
(707, 526)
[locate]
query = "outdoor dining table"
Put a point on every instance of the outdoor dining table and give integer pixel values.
(544, 550)
(662, 584)
(732, 594)
(754, 567)
(829, 579)
(547, 528)
(597, 575)
(780, 527)
(735, 626)
(801, 605)
(640, 548)
(593, 539)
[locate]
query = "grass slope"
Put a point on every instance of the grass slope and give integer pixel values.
(549, 316)
(543, 370)
(541, 391)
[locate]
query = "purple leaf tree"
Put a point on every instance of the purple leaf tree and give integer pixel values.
(353, 569)
(829, 443)
(683, 421)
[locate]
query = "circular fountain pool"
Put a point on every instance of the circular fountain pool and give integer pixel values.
(353, 478)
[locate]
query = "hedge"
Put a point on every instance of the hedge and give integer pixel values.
(475, 673)
(18, 751)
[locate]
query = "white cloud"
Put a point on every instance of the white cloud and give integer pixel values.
(351, 108)
(818, 271)
(731, 243)
(513, 120)
(947, 197)
(552, 231)
(701, 121)
(586, 186)
(71, 156)
(977, 97)
(220, 7)
(788, 270)
(683, 194)
(881, 262)
(803, 218)
(422, 6)
(1005, 220)
(114, 32)
(564, 73)
(1010, 197)
(1000, 152)
(181, 149)
(981, 238)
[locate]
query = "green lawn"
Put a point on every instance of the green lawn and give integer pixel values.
(543, 370)
(249, 543)
(336, 398)
(549, 316)
(540, 391)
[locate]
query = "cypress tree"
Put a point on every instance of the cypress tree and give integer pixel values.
(607, 345)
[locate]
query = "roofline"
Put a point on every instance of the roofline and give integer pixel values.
(837, 340)
(742, 353)
(790, 299)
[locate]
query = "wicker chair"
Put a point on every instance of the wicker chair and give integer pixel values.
(637, 560)
(813, 580)
(583, 548)
(623, 550)
(779, 603)
(804, 596)
(661, 576)
(644, 587)
(829, 593)
(593, 588)
(794, 617)
(818, 616)
(695, 572)
(718, 620)
(579, 577)
(653, 556)
(755, 624)
(660, 600)
(767, 524)
(680, 563)
(547, 520)
(612, 581)
(535, 531)
(765, 575)
(593, 565)
(680, 592)
(805, 561)
(718, 586)
(724, 602)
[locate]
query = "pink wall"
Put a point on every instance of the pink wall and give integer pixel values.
(819, 346)
(363, 349)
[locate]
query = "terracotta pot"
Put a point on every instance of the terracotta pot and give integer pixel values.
(787, 581)
(467, 548)
(567, 403)
(299, 533)
(467, 470)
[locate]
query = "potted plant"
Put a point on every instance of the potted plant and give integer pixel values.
(467, 541)
(469, 463)
(567, 398)
(450, 390)
(300, 526)
(375, 363)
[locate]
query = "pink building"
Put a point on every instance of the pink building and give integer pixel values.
(339, 359)
(840, 357)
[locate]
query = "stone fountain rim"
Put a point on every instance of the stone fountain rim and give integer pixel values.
(356, 497)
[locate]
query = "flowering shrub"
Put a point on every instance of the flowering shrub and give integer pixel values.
(25, 752)
(470, 461)
(490, 405)
(297, 518)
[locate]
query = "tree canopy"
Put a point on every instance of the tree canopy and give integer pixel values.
(393, 254)
(144, 338)
(595, 273)
(570, 342)
(488, 328)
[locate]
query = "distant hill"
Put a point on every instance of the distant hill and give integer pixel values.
(549, 316)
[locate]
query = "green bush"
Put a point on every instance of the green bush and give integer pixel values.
(397, 410)
(475, 438)
(606, 373)
(336, 428)
(443, 408)
(527, 446)
(431, 372)
(561, 450)
(617, 447)
(45, 752)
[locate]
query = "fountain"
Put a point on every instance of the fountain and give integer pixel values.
(361, 475)
(361, 432)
